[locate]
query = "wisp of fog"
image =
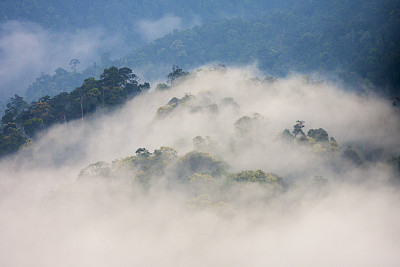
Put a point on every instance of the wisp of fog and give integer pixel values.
(327, 211)
(27, 50)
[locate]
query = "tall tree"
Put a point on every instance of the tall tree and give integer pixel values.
(297, 128)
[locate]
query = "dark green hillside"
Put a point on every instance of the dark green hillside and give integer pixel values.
(353, 38)
(23, 121)
(122, 14)
(61, 81)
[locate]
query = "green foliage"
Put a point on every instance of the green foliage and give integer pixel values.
(43, 111)
(201, 163)
(352, 156)
(203, 144)
(351, 39)
(286, 136)
(258, 176)
(163, 111)
(204, 201)
(176, 74)
(203, 176)
(334, 146)
(318, 139)
(21, 121)
(98, 169)
(142, 152)
(297, 129)
(162, 87)
(115, 96)
(11, 139)
(61, 81)
(14, 110)
(145, 166)
(117, 15)
(247, 124)
(32, 126)
(320, 135)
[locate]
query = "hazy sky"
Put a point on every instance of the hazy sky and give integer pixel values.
(26, 50)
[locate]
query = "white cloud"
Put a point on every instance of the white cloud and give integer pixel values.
(47, 218)
(153, 29)
(26, 50)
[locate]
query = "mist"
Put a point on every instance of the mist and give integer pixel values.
(27, 49)
(50, 215)
(153, 29)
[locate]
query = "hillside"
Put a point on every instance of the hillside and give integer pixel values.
(272, 141)
(362, 42)
(360, 46)
(123, 15)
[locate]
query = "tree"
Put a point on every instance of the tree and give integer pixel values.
(199, 143)
(114, 97)
(62, 107)
(98, 169)
(287, 136)
(128, 76)
(320, 135)
(200, 162)
(175, 74)
(43, 111)
(12, 139)
(94, 98)
(351, 155)
(297, 128)
(163, 156)
(162, 86)
(15, 107)
(257, 176)
(111, 78)
(73, 64)
(142, 152)
(32, 126)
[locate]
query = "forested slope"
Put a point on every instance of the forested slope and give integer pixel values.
(357, 41)
(23, 121)
(356, 38)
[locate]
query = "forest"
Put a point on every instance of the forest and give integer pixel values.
(22, 121)
(199, 133)
(359, 46)
(218, 150)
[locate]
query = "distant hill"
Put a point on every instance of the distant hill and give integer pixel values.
(355, 40)
(352, 39)
(123, 15)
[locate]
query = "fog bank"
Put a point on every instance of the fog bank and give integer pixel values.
(50, 217)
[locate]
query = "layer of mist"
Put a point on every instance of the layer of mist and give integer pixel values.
(153, 29)
(51, 216)
(26, 50)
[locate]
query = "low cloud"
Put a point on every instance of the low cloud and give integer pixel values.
(26, 50)
(153, 29)
(50, 217)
